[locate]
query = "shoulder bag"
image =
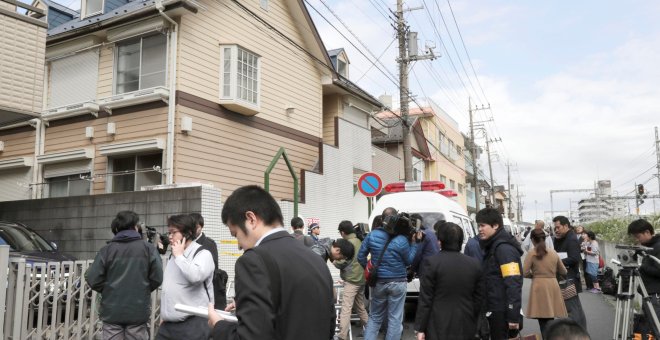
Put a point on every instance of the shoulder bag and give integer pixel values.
(371, 272)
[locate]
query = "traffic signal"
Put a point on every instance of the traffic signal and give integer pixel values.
(640, 189)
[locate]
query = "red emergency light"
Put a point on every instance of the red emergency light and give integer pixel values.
(448, 193)
(415, 186)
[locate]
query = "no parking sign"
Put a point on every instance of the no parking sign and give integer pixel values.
(370, 184)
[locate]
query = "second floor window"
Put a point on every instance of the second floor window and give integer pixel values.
(239, 75)
(64, 186)
(141, 63)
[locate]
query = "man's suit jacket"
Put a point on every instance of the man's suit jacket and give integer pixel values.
(209, 245)
(306, 310)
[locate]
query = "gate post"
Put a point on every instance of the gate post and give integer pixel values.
(282, 153)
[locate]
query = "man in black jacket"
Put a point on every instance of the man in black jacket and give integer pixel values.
(567, 247)
(219, 275)
(649, 270)
(125, 272)
(283, 289)
(502, 275)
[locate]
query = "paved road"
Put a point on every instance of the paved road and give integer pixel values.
(598, 308)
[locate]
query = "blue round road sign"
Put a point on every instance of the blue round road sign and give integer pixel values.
(370, 184)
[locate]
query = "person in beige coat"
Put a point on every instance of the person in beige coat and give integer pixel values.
(542, 265)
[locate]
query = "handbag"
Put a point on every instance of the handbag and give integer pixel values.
(601, 262)
(371, 271)
(568, 289)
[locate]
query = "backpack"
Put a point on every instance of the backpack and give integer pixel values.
(607, 281)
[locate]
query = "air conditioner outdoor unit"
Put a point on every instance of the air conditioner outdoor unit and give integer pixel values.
(134, 98)
(71, 111)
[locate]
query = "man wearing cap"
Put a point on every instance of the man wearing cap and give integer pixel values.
(314, 232)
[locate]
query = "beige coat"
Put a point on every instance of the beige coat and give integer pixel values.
(545, 300)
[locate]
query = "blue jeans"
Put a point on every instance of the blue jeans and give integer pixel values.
(387, 298)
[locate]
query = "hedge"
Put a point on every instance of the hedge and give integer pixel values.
(616, 229)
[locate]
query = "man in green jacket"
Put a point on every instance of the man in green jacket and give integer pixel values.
(125, 272)
(352, 274)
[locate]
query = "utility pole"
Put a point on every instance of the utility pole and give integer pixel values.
(508, 183)
(490, 169)
(637, 200)
(657, 155)
(407, 52)
(473, 151)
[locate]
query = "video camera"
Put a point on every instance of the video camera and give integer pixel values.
(628, 254)
(153, 236)
(399, 224)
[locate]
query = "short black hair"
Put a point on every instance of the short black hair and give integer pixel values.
(124, 220)
(565, 329)
(377, 222)
(591, 234)
(297, 223)
(439, 226)
(639, 226)
(255, 199)
(346, 248)
(347, 227)
(184, 223)
(451, 236)
(490, 216)
(389, 211)
(198, 219)
(563, 220)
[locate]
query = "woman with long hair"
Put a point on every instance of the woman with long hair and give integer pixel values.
(542, 265)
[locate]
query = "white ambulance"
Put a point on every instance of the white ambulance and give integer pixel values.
(432, 202)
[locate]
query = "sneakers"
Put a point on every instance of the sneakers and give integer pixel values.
(595, 290)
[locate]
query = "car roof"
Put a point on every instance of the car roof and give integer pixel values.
(416, 202)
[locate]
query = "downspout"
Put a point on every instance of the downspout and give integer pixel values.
(39, 140)
(171, 110)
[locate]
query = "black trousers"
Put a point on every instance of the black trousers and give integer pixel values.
(193, 328)
(499, 327)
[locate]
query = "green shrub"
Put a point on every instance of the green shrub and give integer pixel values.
(616, 229)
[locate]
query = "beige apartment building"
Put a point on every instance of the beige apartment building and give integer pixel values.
(437, 146)
(142, 93)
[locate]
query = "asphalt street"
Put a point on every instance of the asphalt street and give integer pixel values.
(598, 308)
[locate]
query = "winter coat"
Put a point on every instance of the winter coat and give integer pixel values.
(502, 274)
(449, 297)
(125, 272)
(398, 255)
(649, 269)
(570, 245)
(351, 270)
(545, 299)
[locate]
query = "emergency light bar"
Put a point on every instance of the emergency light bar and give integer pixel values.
(415, 186)
(448, 193)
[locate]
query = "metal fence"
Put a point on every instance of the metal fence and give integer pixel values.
(52, 301)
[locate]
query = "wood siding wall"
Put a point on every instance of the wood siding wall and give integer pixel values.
(19, 143)
(21, 65)
(288, 76)
(229, 154)
(331, 110)
(140, 125)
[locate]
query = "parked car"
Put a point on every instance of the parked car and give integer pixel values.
(28, 244)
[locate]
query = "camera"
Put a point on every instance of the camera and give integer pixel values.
(153, 236)
(398, 224)
(628, 254)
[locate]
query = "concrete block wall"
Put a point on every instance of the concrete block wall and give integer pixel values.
(80, 225)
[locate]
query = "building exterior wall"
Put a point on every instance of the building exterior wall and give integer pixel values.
(331, 109)
(22, 64)
(287, 76)
(229, 154)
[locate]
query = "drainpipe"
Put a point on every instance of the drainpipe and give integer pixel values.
(171, 110)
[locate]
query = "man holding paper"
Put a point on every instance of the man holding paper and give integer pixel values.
(274, 299)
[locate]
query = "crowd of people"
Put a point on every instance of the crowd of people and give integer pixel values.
(284, 288)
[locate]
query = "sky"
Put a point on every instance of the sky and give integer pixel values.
(572, 85)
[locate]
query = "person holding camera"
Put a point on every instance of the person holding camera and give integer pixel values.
(125, 272)
(649, 270)
(188, 281)
(392, 248)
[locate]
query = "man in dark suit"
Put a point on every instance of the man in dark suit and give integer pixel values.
(450, 279)
(219, 275)
(566, 244)
(274, 299)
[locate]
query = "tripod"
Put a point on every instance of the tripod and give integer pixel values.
(629, 281)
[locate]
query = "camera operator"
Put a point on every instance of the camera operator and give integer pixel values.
(396, 241)
(649, 270)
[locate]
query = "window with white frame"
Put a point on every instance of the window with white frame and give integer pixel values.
(443, 179)
(452, 184)
(73, 79)
(239, 75)
(92, 7)
(64, 186)
(130, 173)
(141, 63)
(342, 68)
